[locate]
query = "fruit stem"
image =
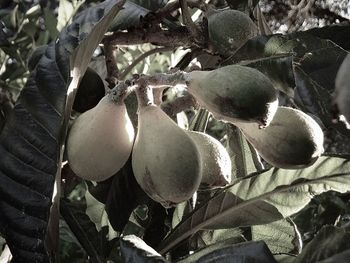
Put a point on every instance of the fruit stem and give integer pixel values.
(121, 91)
(164, 79)
(144, 93)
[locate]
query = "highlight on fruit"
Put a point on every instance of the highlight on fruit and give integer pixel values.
(235, 93)
(100, 140)
(293, 140)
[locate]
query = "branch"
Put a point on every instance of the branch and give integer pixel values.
(187, 20)
(179, 104)
(112, 69)
(127, 70)
(169, 38)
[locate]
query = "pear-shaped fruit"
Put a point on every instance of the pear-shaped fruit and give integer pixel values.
(100, 140)
(229, 30)
(235, 93)
(165, 161)
(216, 162)
(293, 139)
(342, 88)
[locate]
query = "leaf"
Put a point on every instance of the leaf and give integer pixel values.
(134, 249)
(83, 229)
(239, 151)
(50, 23)
(248, 252)
(328, 242)
(281, 236)
(339, 257)
(66, 11)
(315, 77)
(334, 32)
(208, 237)
(32, 138)
(262, 198)
(279, 68)
(121, 195)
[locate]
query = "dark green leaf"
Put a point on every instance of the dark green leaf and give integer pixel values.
(50, 23)
(240, 153)
(90, 91)
(328, 242)
(248, 252)
(32, 138)
(339, 257)
(120, 194)
(83, 229)
(279, 68)
(134, 249)
(35, 56)
(335, 33)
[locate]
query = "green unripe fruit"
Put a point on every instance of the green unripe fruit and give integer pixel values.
(100, 140)
(235, 93)
(165, 161)
(216, 162)
(293, 139)
(342, 88)
(229, 30)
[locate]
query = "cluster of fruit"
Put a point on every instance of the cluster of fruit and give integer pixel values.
(171, 163)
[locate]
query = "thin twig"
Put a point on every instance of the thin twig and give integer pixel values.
(170, 38)
(127, 70)
(173, 6)
(187, 20)
(179, 104)
(112, 69)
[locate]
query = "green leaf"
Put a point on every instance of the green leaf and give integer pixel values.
(281, 236)
(248, 252)
(50, 23)
(66, 11)
(339, 257)
(209, 237)
(31, 141)
(330, 241)
(134, 249)
(334, 32)
(314, 77)
(263, 198)
(120, 195)
(240, 152)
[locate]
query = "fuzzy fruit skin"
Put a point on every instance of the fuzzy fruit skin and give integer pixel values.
(229, 30)
(216, 162)
(293, 139)
(342, 88)
(235, 93)
(100, 141)
(165, 161)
